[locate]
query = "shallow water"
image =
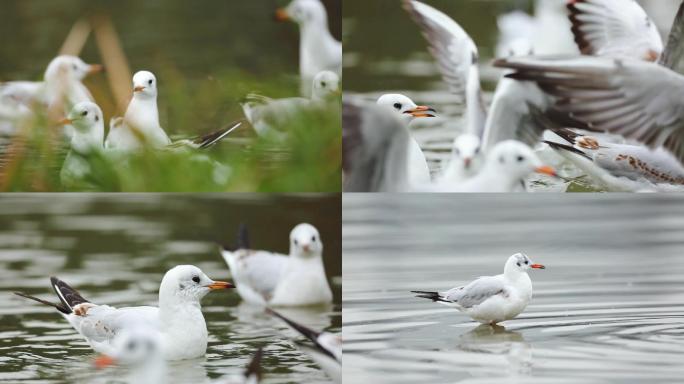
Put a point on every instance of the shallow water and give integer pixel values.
(115, 248)
(609, 307)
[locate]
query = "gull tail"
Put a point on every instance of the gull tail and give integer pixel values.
(59, 306)
(212, 138)
(306, 332)
(565, 147)
(253, 370)
(434, 296)
(243, 237)
(67, 295)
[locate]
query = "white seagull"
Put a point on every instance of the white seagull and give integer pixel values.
(492, 299)
(419, 171)
(318, 49)
(178, 319)
(139, 348)
(140, 125)
(325, 348)
(87, 138)
(268, 278)
(266, 115)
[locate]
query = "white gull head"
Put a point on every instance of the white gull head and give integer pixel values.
(325, 83)
(403, 105)
(144, 85)
(305, 241)
(187, 284)
(70, 68)
(305, 13)
(517, 264)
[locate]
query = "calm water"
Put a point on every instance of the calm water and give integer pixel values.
(391, 57)
(115, 250)
(609, 308)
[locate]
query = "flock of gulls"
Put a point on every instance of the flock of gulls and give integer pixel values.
(612, 108)
(144, 338)
(62, 93)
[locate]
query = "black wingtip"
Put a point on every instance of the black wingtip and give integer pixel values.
(242, 237)
(67, 295)
(430, 295)
(59, 307)
(565, 147)
(254, 367)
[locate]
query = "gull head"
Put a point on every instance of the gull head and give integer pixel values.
(325, 83)
(144, 85)
(70, 68)
(187, 283)
(516, 160)
(133, 346)
(305, 241)
(466, 150)
(403, 105)
(303, 12)
(519, 263)
(84, 117)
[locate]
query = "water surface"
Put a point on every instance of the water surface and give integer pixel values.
(115, 249)
(609, 308)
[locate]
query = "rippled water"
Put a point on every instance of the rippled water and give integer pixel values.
(115, 250)
(609, 307)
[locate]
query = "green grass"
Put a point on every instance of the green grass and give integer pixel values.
(309, 160)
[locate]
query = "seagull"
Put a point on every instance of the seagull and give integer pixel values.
(178, 319)
(140, 125)
(268, 278)
(88, 138)
(492, 299)
(318, 49)
(465, 161)
(266, 114)
(326, 348)
(505, 167)
(139, 348)
(419, 171)
(62, 84)
(457, 58)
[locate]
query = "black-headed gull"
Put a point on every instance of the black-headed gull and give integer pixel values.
(268, 278)
(614, 28)
(505, 167)
(325, 348)
(491, 299)
(266, 115)
(140, 126)
(419, 171)
(318, 49)
(138, 348)
(87, 138)
(178, 318)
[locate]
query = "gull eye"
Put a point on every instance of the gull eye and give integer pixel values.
(85, 113)
(527, 261)
(149, 82)
(75, 67)
(196, 279)
(323, 84)
(97, 118)
(397, 105)
(477, 150)
(520, 158)
(313, 239)
(296, 242)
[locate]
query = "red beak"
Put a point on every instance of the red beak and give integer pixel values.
(537, 266)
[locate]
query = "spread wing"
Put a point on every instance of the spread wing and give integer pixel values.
(673, 56)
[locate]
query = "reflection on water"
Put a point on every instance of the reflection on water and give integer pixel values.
(608, 308)
(115, 248)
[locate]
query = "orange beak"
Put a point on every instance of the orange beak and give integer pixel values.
(546, 170)
(139, 88)
(220, 285)
(281, 15)
(537, 266)
(95, 68)
(421, 111)
(65, 121)
(104, 361)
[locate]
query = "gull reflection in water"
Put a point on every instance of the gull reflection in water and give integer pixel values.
(497, 340)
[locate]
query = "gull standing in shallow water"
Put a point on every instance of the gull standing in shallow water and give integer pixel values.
(318, 49)
(267, 278)
(178, 319)
(326, 350)
(492, 299)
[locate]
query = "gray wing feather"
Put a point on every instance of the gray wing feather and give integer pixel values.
(476, 292)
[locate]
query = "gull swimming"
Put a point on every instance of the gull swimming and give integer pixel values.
(419, 171)
(269, 278)
(318, 49)
(140, 126)
(139, 348)
(266, 115)
(491, 299)
(178, 318)
(325, 348)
